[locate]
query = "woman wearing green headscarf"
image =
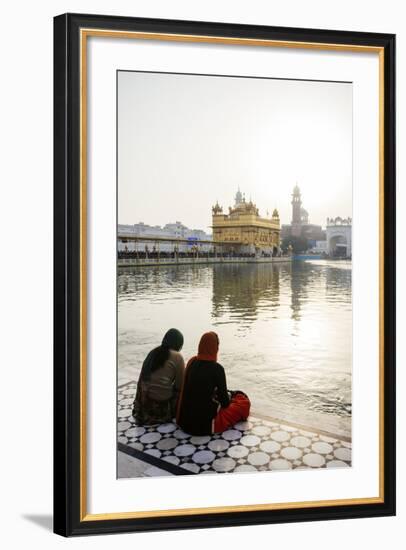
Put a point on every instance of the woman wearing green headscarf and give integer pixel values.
(160, 381)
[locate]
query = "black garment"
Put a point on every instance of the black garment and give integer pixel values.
(204, 389)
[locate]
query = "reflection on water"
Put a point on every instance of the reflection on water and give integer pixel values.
(285, 329)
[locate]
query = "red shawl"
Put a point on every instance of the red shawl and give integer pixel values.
(207, 351)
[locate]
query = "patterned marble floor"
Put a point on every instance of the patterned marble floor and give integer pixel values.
(258, 444)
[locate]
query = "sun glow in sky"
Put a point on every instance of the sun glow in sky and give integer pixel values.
(186, 141)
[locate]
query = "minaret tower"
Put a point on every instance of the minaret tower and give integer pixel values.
(238, 198)
(296, 215)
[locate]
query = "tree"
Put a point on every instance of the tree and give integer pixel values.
(298, 244)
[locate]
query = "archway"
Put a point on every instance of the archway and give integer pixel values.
(337, 246)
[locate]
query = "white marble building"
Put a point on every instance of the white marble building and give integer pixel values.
(339, 237)
(174, 230)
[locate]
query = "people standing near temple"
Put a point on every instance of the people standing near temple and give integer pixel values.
(160, 382)
(205, 405)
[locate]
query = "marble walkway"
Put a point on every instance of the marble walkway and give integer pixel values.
(258, 444)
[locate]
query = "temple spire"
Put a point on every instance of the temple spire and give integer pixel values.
(238, 197)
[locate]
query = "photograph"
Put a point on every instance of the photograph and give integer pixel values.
(234, 274)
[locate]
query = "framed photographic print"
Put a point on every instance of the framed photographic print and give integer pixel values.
(224, 253)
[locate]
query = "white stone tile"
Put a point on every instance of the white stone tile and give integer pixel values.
(180, 434)
(300, 441)
(137, 445)
(321, 447)
(270, 446)
(200, 439)
(231, 435)
(137, 431)
(167, 428)
(203, 457)
(124, 413)
(250, 440)
(343, 453)
(280, 435)
(291, 453)
(261, 430)
(237, 451)
(243, 426)
(224, 464)
(245, 468)
(218, 445)
(337, 464)
(258, 459)
(280, 464)
(185, 450)
(150, 437)
(314, 460)
(166, 444)
(123, 426)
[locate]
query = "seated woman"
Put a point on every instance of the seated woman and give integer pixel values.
(160, 382)
(205, 406)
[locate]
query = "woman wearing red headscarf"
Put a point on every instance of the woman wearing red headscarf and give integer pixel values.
(205, 406)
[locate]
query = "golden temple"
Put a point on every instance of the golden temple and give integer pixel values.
(244, 229)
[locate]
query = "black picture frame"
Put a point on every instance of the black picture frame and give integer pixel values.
(68, 519)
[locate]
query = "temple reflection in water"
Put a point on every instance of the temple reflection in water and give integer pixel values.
(244, 289)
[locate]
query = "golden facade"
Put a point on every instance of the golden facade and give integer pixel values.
(244, 229)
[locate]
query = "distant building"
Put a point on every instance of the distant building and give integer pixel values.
(339, 237)
(300, 226)
(320, 247)
(174, 230)
(244, 230)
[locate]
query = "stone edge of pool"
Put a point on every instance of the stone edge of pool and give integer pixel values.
(336, 447)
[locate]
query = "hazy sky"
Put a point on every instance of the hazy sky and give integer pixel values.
(185, 141)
